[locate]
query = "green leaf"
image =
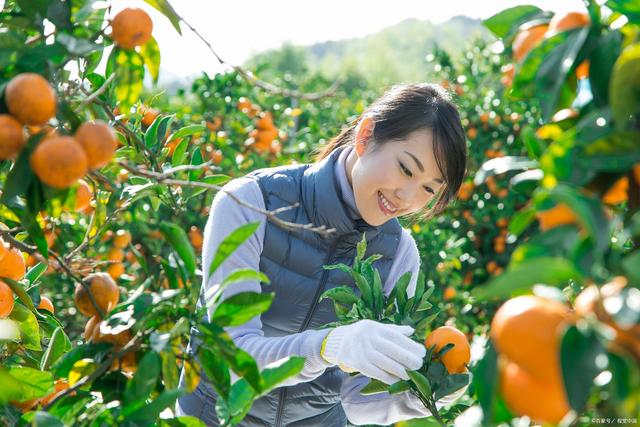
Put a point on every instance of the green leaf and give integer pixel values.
(284, 369)
(151, 411)
(361, 248)
(547, 270)
(183, 421)
(59, 344)
(178, 156)
(18, 289)
(401, 290)
(421, 383)
(217, 371)
(240, 308)
(579, 354)
(77, 46)
(629, 8)
(128, 66)
(502, 22)
(374, 387)
(196, 159)
(179, 241)
(23, 383)
(230, 244)
(44, 419)
(601, 62)
(154, 136)
(150, 53)
(399, 387)
(142, 384)
(521, 220)
(187, 131)
(365, 290)
(342, 267)
(341, 294)
(164, 7)
(35, 272)
(624, 88)
(170, 374)
(28, 325)
(244, 274)
(378, 294)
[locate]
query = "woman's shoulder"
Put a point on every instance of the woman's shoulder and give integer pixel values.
(407, 248)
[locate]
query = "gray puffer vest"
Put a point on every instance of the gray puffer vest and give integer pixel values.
(293, 262)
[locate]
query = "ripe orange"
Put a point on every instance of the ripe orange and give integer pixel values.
(148, 115)
(215, 124)
(449, 293)
(456, 359)
(472, 133)
(116, 270)
(11, 137)
(30, 99)
(90, 327)
(565, 21)
(104, 290)
(6, 300)
(46, 304)
(582, 70)
(59, 161)
(527, 329)
(196, 237)
(526, 40)
(466, 190)
(618, 193)
(265, 121)
(115, 254)
(131, 27)
(98, 141)
(122, 239)
(83, 195)
(544, 401)
(12, 264)
(58, 386)
(560, 214)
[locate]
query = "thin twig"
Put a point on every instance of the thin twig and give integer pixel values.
(98, 92)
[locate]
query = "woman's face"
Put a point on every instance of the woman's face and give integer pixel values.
(393, 179)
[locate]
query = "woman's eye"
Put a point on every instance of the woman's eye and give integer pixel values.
(429, 190)
(405, 170)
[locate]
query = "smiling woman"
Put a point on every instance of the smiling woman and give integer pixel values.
(406, 150)
(409, 153)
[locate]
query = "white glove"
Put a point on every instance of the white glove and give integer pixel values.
(376, 350)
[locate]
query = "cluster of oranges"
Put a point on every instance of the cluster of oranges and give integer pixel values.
(530, 37)
(527, 331)
(264, 137)
(58, 160)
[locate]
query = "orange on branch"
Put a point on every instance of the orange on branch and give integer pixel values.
(544, 401)
(46, 304)
(618, 193)
(11, 137)
(561, 214)
(122, 239)
(456, 358)
(104, 290)
(98, 141)
(12, 265)
(131, 27)
(148, 115)
(527, 329)
(116, 270)
(31, 99)
(196, 237)
(449, 293)
(59, 161)
(115, 254)
(6, 300)
(83, 195)
(526, 40)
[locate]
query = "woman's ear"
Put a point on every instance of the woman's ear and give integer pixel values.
(364, 135)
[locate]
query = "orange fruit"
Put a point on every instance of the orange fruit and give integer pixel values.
(116, 270)
(466, 190)
(6, 300)
(115, 254)
(148, 115)
(83, 195)
(98, 141)
(618, 193)
(122, 239)
(582, 70)
(11, 137)
(46, 304)
(59, 161)
(527, 329)
(456, 359)
(502, 222)
(215, 124)
(216, 157)
(30, 99)
(526, 40)
(12, 264)
(104, 290)
(565, 21)
(472, 133)
(265, 121)
(560, 214)
(131, 27)
(544, 401)
(449, 293)
(196, 237)
(90, 327)
(484, 117)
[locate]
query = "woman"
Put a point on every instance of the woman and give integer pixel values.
(405, 156)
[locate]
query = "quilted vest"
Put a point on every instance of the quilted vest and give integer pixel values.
(293, 261)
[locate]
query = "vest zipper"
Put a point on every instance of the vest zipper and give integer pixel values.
(307, 320)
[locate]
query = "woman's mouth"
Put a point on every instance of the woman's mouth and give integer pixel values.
(386, 206)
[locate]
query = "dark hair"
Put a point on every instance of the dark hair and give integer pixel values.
(404, 109)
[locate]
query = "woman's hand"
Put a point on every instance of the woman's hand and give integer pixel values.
(376, 350)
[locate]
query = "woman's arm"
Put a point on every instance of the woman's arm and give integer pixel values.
(225, 216)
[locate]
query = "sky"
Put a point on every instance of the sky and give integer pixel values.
(238, 29)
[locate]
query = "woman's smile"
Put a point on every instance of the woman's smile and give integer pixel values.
(386, 206)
